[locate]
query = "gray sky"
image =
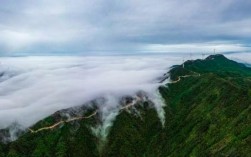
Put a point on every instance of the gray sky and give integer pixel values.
(56, 27)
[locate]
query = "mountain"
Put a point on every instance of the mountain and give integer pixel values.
(207, 113)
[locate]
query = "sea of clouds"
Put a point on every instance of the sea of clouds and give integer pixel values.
(32, 88)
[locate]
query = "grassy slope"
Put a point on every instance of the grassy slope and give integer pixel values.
(208, 115)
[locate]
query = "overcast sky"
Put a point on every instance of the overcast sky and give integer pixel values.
(56, 27)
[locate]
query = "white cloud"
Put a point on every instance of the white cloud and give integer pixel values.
(244, 57)
(35, 87)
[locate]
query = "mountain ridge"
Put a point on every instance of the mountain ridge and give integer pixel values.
(207, 113)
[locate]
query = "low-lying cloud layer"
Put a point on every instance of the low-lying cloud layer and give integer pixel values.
(244, 57)
(32, 88)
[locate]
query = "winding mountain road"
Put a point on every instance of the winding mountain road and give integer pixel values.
(179, 78)
(80, 118)
(62, 122)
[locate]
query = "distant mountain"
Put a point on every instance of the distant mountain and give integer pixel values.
(207, 113)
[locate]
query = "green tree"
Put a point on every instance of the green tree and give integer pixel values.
(41, 150)
(61, 148)
(12, 153)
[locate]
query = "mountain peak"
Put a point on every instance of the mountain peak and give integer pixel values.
(217, 56)
(217, 64)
